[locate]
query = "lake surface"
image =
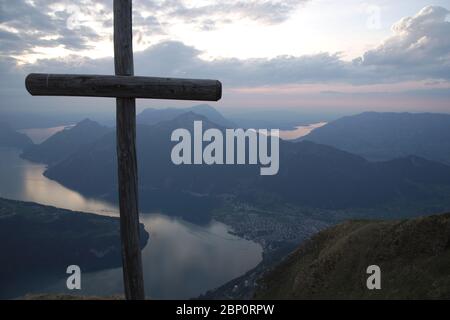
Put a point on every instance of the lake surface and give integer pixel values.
(39, 135)
(181, 260)
(300, 131)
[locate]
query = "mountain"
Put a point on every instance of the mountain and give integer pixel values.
(38, 242)
(60, 145)
(413, 255)
(283, 119)
(321, 176)
(385, 136)
(152, 116)
(11, 138)
(92, 170)
(310, 175)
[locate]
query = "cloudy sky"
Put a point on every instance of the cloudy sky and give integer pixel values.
(294, 54)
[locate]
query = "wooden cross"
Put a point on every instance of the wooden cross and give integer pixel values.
(125, 87)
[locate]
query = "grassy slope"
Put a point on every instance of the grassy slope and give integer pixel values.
(414, 256)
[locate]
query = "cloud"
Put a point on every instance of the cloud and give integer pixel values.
(175, 59)
(75, 25)
(265, 11)
(419, 47)
(27, 24)
(418, 50)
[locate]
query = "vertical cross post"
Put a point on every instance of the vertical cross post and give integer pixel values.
(126, 155)
(126, 88)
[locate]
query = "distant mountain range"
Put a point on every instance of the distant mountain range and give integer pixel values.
(38, 242)
(152, 116)
(64, 143)
(319, 183)
(283, 119)
(414, 257)
(385, 136)
(11, 138)
(310, 175)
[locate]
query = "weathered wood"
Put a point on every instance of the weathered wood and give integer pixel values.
(125, 87)
(126, 156)
(39, 84)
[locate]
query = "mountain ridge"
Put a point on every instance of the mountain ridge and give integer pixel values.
(60, 145)
(413, 256)
(310, 174)
(381, 136)
(151, 116)
(11, 138)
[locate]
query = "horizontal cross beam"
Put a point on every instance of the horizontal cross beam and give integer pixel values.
(40, 84)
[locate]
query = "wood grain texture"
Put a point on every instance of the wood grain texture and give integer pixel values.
(125, 87)
(120, 86)
(126, 156)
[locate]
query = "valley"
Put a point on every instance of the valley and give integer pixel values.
(317, 186)
(173, 275)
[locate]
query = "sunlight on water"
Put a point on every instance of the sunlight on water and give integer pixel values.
(300, 131)
(39, 135)
(24, 180)
(181, 260)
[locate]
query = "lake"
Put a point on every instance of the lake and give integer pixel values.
(39, 135)
(181, 260)
(300, 131)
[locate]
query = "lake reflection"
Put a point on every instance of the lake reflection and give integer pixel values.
(39, 135)
(181, 260)
(23, 180)
(300, 131)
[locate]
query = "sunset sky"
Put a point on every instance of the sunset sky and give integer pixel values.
(306, 55)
